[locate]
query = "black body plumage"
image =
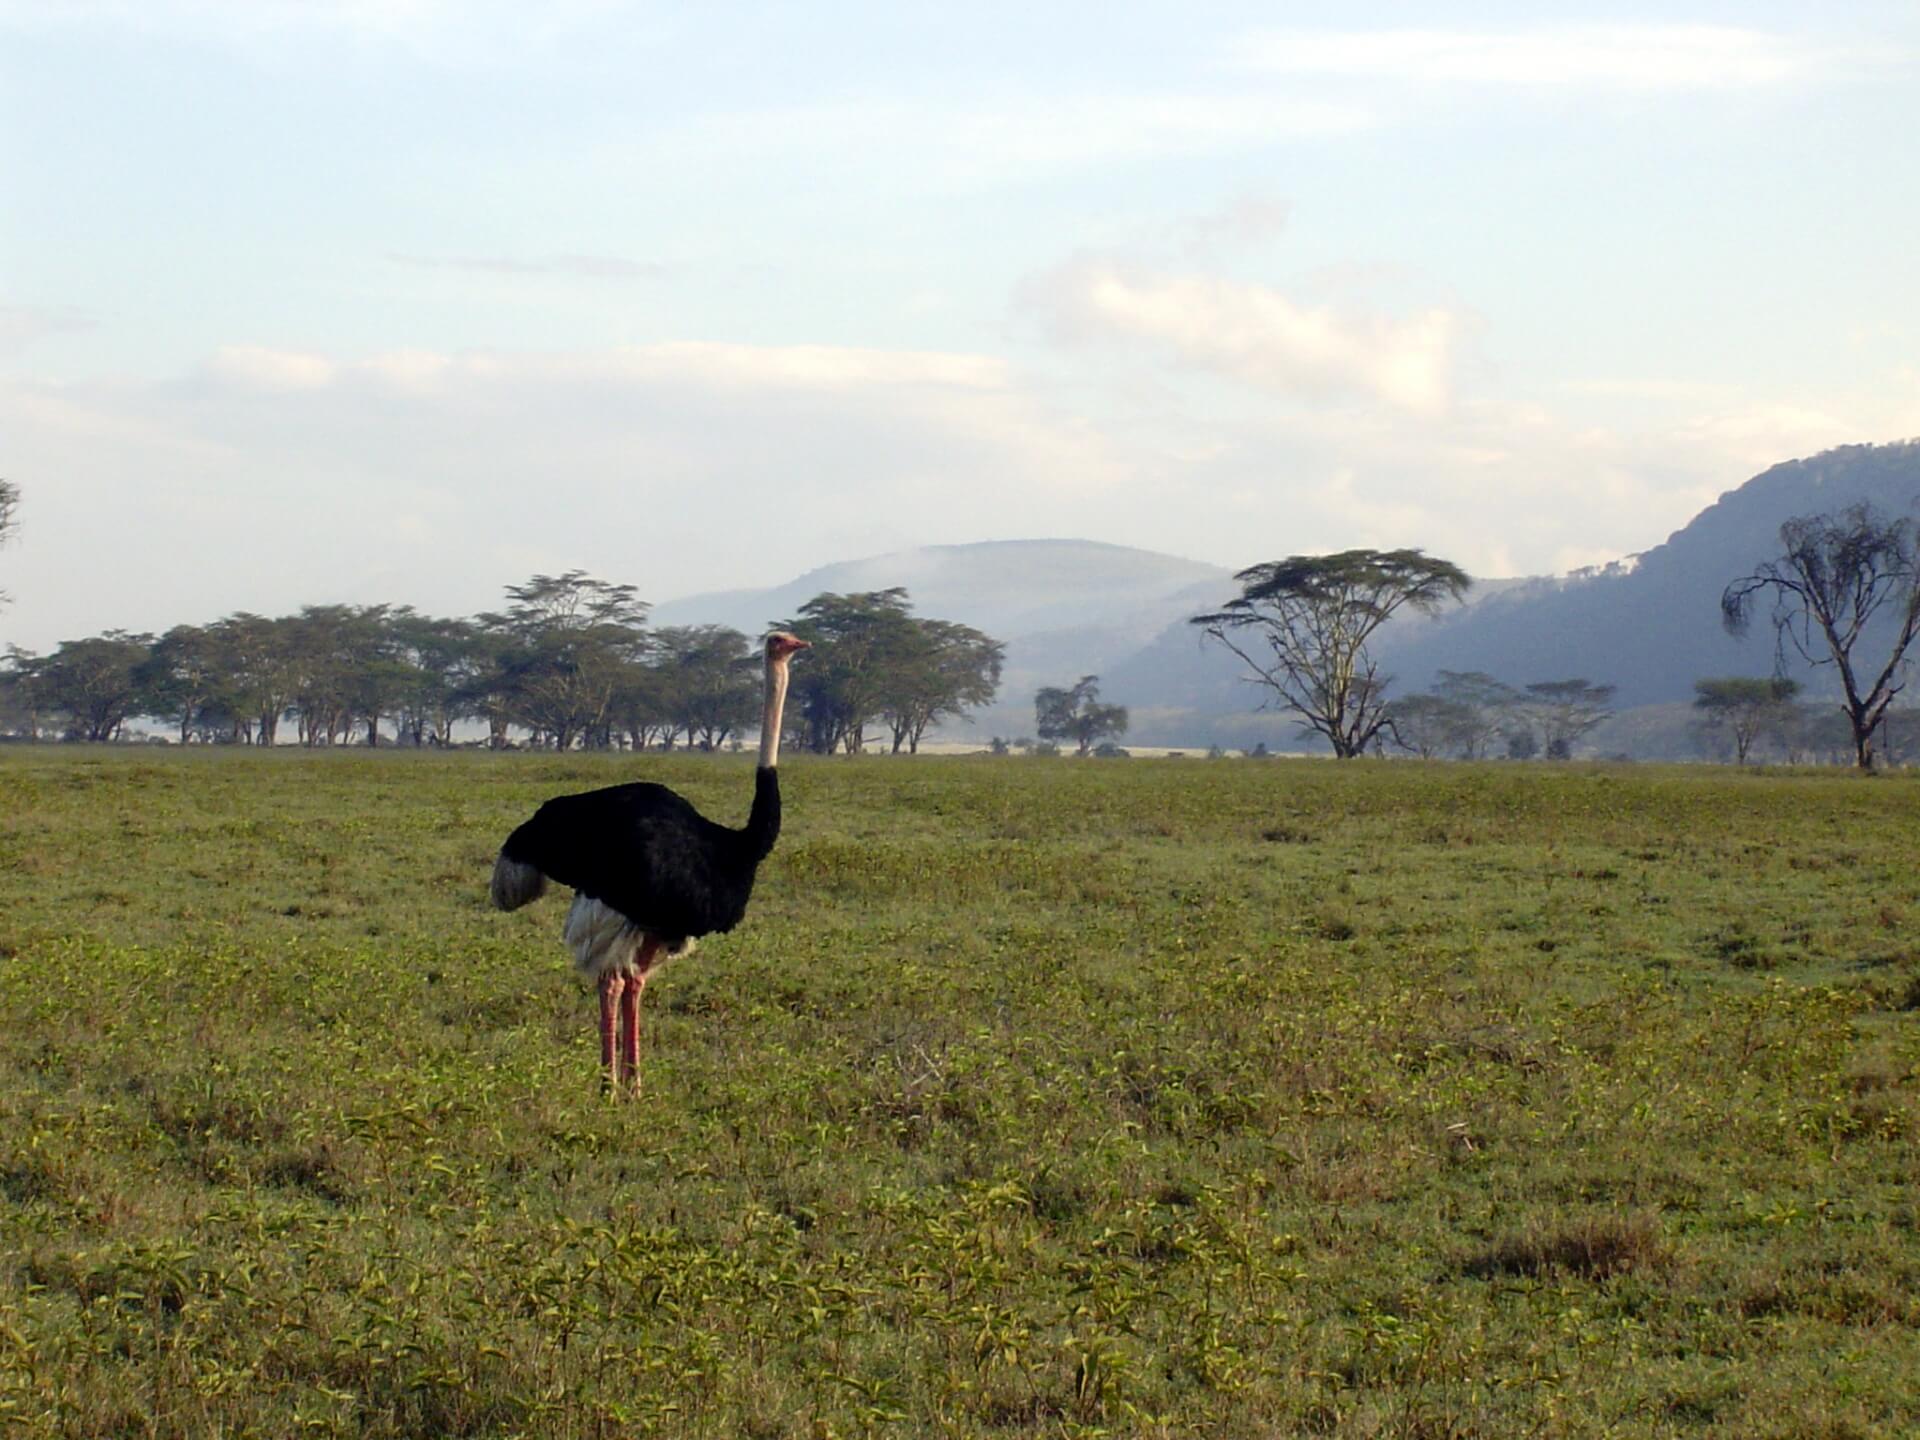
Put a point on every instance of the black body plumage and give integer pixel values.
(646, 852)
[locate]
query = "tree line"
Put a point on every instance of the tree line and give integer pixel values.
(1471, 715)
(569, 662)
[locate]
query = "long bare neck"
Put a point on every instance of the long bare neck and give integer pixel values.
(770, 721)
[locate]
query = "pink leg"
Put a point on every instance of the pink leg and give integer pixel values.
(630, 1031)
(613, 987)
(630, 1011)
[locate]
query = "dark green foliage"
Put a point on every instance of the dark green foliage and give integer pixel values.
(1076, 713)
(874, 661)
(705, 684)
(94, 684)
(569, 664)
(564, 647)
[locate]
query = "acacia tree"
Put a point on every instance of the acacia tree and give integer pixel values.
(94, 682)
(642, 703)
(181, 674)
(1564, 711)
(1838, 574)
(570, 637)
(256, 656)
(1485, 709)
(858, 640)
(705, 683)
(345, 664)
(1302, 625)
(488, 693)
(9, 508)
(443, 659)
(20, 704)
(949, 669)
(1075, 713)
(1745, 708)
(1427, 724)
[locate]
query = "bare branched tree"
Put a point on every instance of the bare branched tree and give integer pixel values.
(1839, 574)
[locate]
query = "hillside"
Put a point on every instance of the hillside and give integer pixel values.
(1649, 625)
(1653, 627)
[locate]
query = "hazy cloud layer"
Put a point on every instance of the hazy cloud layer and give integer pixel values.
(437, 479)
(271, 479)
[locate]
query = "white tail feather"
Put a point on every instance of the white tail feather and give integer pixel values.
(603, 939)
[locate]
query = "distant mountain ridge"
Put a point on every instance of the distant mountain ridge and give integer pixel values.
(1653, 628)
(1065, 608)
(1650, 625)
(1005, 587)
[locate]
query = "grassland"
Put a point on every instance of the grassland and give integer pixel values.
(1034, 1098)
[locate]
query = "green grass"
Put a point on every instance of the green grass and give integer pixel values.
(1033, 1098)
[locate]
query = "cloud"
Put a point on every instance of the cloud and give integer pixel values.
(816, 367)
(1254, 333)
(1650, 57)
(707, 365)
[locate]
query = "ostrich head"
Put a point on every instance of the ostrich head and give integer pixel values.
(783, 645)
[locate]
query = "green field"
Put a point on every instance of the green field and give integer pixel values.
(1034, 1098)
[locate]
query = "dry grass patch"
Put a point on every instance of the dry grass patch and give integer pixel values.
(1593, 1247)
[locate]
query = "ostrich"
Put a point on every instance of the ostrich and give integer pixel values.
(649, 873)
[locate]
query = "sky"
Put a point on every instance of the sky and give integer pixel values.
(317, 301)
